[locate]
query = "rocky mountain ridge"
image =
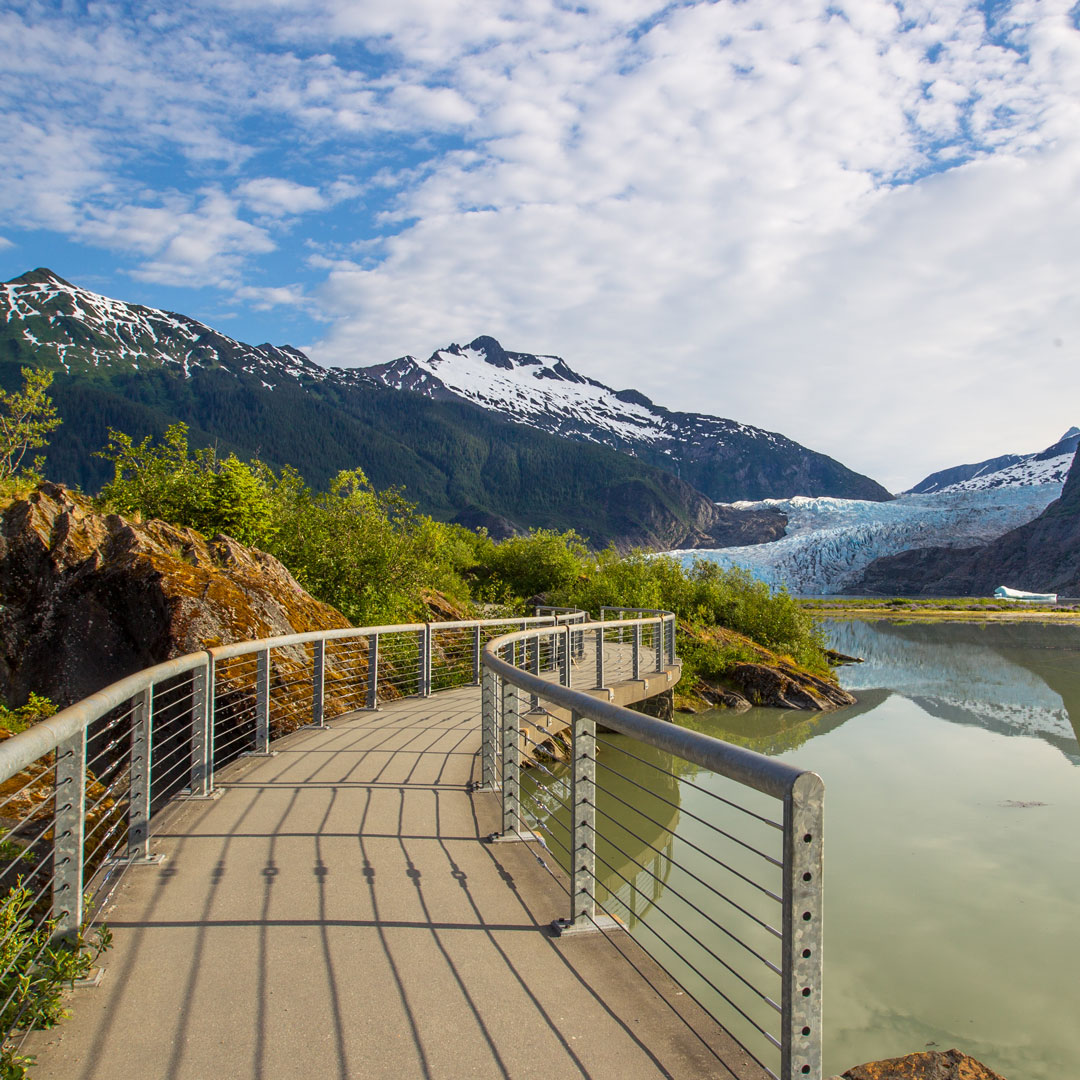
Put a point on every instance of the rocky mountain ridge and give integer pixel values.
(723, 458)
(137, 369)
(48, 321)
(1009, 470)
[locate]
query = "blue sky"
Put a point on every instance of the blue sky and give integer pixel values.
(856, 223)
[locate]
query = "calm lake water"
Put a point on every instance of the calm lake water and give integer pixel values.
(952, 839)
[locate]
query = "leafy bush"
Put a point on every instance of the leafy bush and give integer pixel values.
(372, 555)
(207, 494)
(35, 970)
(36, 708)
(27, 417)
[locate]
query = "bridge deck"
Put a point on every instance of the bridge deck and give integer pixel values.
(334, 914)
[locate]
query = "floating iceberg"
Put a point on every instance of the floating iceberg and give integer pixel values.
(1003, 592)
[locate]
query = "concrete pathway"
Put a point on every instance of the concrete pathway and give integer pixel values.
(335, 914)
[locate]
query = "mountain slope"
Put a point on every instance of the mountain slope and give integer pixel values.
(1040, 556)
(724, 459)
(138, 370)
(1047, 466)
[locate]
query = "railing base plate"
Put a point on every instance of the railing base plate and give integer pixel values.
(598, 923)
(507, 838)
(141, 860)
(215, 794)
(261, 753)
(90, 981)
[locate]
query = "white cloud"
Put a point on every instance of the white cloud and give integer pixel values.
(736, 207)
(266, 297)
(274, 196)
(5, 243)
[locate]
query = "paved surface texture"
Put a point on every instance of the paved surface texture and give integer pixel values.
(336, 914)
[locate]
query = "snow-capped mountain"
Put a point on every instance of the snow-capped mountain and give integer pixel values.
(137, 369)
(1049, 466)
(47, 320)
(831, 542)
(725, 459)
(60, 325)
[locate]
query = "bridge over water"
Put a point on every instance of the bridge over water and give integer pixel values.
(373, 894)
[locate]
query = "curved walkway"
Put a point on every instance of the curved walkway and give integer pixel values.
(333, 915)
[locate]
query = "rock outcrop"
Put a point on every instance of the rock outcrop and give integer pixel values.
(932, 1065)
(755, 676)
(1041, 556)
(89, 598)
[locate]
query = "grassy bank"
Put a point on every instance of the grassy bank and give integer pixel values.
(937, 609)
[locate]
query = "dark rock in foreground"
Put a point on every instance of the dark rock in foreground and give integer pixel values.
(735, 527)
(933, 1065)
(782, 686)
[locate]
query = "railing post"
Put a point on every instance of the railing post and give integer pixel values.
(534, 700)
(802, 959)
(69, 830)
(318, 684)
(658, 643)
(599, 657)
(202, 731)
(373, 671)
(142, 722)
(476, 655)
(583, 823)
(262, 702)
(425, 660)
(671, 640)
(637, 650)
(565, 639)
(511, 759)
(488, 730)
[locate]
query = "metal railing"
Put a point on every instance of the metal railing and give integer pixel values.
(708, 854)
(81, 792)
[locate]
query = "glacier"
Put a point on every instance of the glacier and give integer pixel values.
(830, 542)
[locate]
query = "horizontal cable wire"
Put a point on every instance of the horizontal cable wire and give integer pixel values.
(730, 1034)
(683, 840)
(690, 783)
(690, 814)
(689, 903)
(701, 975)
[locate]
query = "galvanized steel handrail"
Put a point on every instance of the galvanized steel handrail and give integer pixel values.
(764, 774)
(168, 715)
(801, 793)
(164, 731)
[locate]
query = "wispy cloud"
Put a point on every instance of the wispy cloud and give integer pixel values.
(748, 208)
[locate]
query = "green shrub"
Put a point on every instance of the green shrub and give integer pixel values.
(36, 708)
(372, 555)
(36, 970)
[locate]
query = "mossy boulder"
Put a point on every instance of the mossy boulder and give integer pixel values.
(89, 598)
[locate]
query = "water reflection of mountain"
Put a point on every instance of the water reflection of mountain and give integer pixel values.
(1011, 678)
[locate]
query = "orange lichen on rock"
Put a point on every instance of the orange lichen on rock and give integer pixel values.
(89, 598)
(931, 1065)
